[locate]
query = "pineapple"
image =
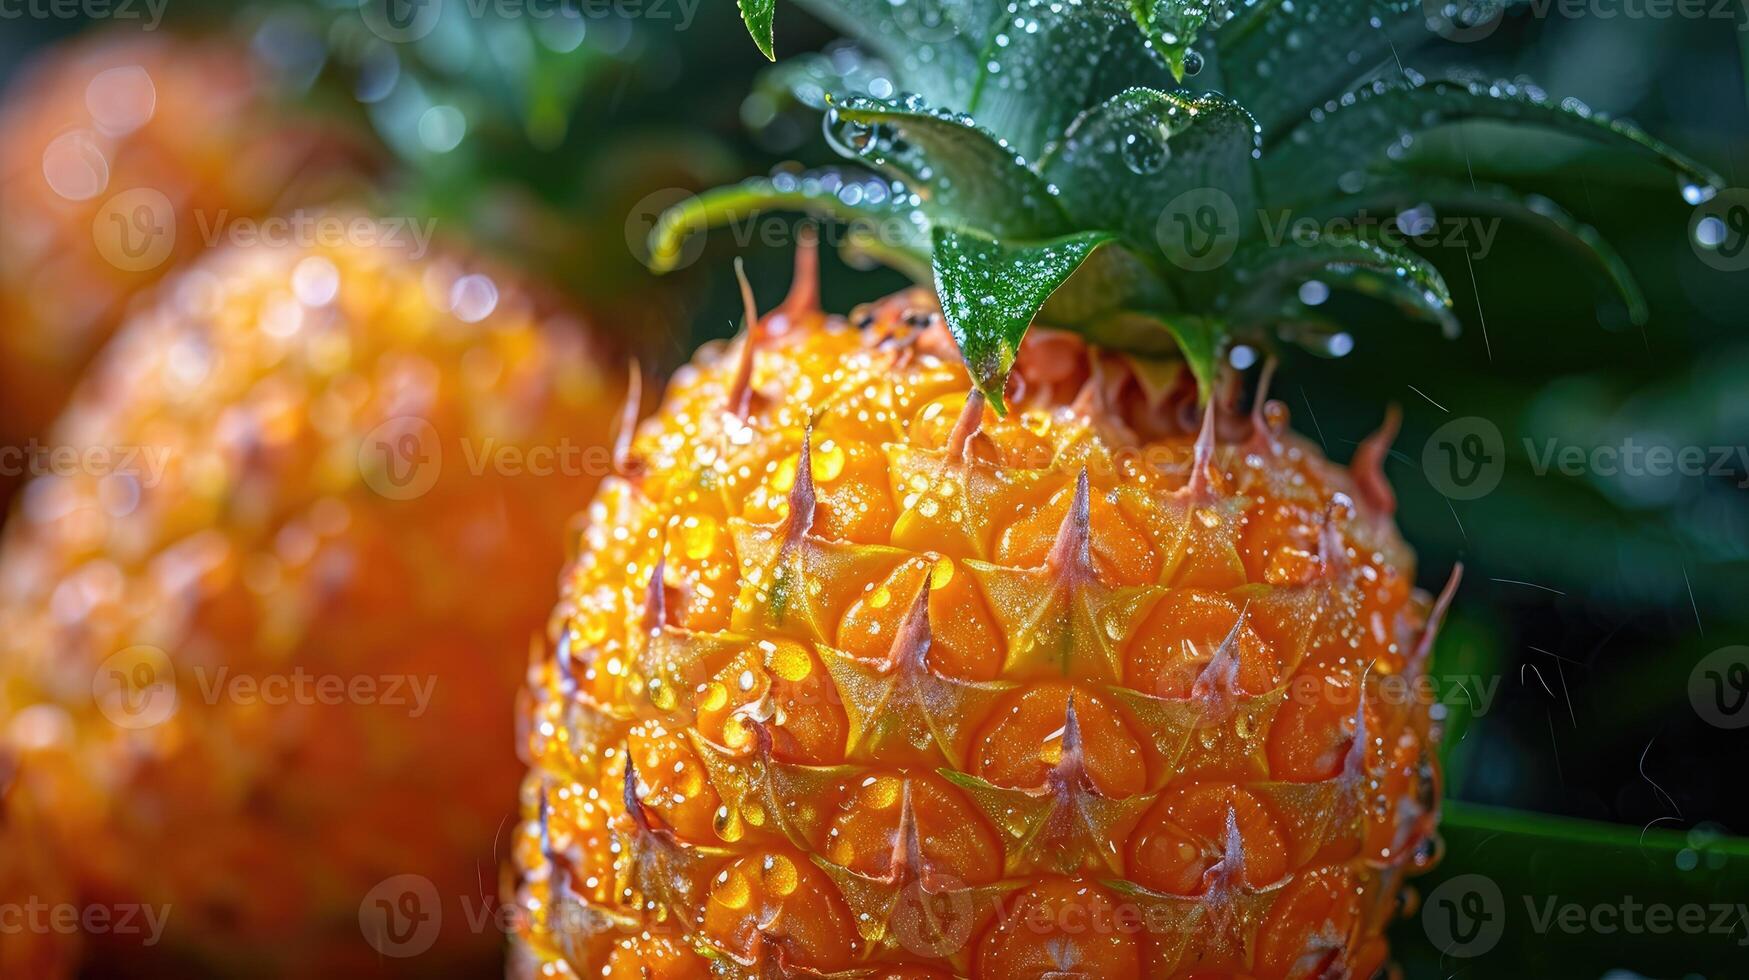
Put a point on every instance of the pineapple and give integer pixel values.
(987, 633)
(186, 125)
(321, 491)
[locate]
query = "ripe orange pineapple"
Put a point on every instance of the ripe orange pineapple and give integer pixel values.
(140, 114)
(942, 643)
(321, 490)
(855, 674)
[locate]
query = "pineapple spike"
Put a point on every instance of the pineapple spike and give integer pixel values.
(623, 462)
(1332, 554)
(1261, 433)
(1368, 466)
(1217, 686)
(1071, 770)
(656, 599)
(633, 806)
(1225, 877)
(741, 390)
(971, 420)
(1354, 762)
(907, 860)
(913, 638)
(804, 288)
(1072, 554)
(1436, 617)
(562, 664)
(802, 499)
(1203, 457)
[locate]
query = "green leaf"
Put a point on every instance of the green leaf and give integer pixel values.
(1174, 25)
(990, 293)
(1266, 276)
(758, 15)
(1121, 163)
(962, 173)
(1162, 339)
(892, 223)
(933, 46)
(1093, 51)
(1280, 59)
(1356, 135)
(1496, 904)
(1534, 210)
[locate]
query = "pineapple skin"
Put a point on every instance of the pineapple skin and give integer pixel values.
(190, 118)
(926, 733)
(273, 527)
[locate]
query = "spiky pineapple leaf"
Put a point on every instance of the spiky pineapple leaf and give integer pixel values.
(963, 173)
(1174, 25)
(1368, 121)
(1094, 51)
(758, 16)
(1480, 198)
(887, 217)
(990, 293)
(934, 46)
(1121, 163)
(1267, 274)
(1280, 59)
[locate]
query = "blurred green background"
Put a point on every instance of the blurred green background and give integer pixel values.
(1573, 658)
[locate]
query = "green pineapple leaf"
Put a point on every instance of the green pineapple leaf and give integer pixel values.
(759, 15)
(1394, 195)
(1281, 62)
(1366, 122)
(899, 231)
(1168, 146)
(960, 171)
(990, 293)
(1267, 275)
(1173, 27)
(1201, 341)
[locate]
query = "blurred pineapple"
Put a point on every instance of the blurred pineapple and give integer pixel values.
(339, 452)
(120, 156)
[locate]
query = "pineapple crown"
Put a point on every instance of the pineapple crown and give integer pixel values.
(1127, 156)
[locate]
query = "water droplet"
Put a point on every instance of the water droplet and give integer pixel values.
(1698, 193)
